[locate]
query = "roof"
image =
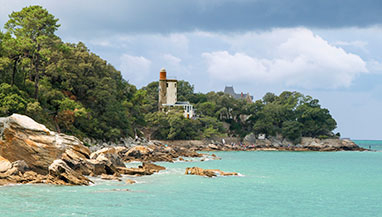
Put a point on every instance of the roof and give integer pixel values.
(182, 103)
(229, 90)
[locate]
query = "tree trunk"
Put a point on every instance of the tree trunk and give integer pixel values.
(14, 70)
(37, 78)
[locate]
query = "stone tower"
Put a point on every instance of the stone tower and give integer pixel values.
(167, 90)
(162, 89)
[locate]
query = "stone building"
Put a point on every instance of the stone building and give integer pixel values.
(168, 95)
(230, 91)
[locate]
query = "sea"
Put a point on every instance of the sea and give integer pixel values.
(269, 184)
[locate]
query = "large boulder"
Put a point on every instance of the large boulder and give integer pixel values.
(30, 153)
(111, 153)
(137, 153)
(21, 138)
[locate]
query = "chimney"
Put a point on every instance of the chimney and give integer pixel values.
(162, 74)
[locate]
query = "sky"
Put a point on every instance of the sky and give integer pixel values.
(329, 49)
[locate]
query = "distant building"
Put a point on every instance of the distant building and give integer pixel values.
(168, 95)
(229, 90)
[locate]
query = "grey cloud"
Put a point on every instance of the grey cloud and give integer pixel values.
(165, 16)
(154, 16)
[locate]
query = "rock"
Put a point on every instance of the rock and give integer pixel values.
(207, 172)
(78, 163)
(18, 167)
(104, 161)
(144, 169)
(129, 181)
(21, 138)
(4, 165)
(199, 171)
(152, 168)
(111, 154)
(31, 177)
(60, 173)
(133, 171)
(214, 147)
(120, 190)
(137, 151)
(104, 165)
(250, 138)
(110, 177)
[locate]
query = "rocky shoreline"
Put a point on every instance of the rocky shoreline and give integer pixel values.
(273, 144)
(31, 153)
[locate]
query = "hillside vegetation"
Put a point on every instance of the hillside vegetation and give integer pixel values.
(74, 91)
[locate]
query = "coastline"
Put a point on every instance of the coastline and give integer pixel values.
(30, 153)
(272, 144)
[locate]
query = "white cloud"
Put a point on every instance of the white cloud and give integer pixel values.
(101, 42)
(374, 66)
(172, 60)
(300, 59)
(135, 68)
(357, 44)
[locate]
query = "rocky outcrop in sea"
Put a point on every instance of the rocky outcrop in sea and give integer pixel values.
(268, 144)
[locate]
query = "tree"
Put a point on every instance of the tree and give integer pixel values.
(269, 98)
(292, 130)
(12, 100)
(36, 27)
(151, 98)
(185, 90)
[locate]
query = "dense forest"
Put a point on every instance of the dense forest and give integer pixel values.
(74, 91)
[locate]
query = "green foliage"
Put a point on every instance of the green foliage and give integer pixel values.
(293, 115)
(12, 100)
(150, 103)
(65, 86)
(292, 131)
(172, 126)
(185, 90)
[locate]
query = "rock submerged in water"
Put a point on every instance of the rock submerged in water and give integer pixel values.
(130, 181)
(208, 172)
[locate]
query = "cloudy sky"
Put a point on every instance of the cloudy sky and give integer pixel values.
(329, 49)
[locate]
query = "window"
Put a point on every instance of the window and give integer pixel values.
(166, 84)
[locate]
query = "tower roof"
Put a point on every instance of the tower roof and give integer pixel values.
(163, 70)
(229, 90)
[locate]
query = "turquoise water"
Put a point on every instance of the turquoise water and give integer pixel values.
(373, 144)
(273, 184)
